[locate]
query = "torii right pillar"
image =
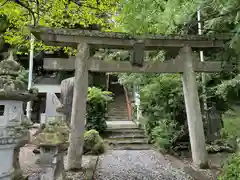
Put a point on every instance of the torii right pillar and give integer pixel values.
(194, 117)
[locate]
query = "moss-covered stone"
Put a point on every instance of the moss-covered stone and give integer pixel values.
(93, 143)
(13, 81)
(56, 132)
(37, 31)
(221, 145)
(19, 129)
(9, 71)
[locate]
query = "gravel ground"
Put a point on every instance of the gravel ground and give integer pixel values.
(116, 165)
(137, 165)
(30, 168)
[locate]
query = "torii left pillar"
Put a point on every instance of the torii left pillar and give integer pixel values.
(78, 118)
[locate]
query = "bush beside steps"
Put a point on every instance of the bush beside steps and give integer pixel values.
(93, 143)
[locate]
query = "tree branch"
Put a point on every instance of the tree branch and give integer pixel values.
(215, 15)
(38, 10)
(4, 2)
(26, 7)
(221, 31)
(194, 22)
(82, 5)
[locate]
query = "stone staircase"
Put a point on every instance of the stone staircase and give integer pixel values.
(117, 110)
(125, 135)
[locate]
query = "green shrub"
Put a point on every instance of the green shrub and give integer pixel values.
(93, 143)
(163, 99)
(222, 145)
(231, 169)
(162, 103)
(231, 124)
(163, 135)
(97, 109)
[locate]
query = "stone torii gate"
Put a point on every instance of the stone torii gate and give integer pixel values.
(186, 63)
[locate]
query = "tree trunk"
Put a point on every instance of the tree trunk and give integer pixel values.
(78, 118)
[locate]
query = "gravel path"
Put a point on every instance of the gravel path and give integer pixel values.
(137, 165)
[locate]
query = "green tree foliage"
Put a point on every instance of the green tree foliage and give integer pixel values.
(164, 134)
(53, 13)
(180, 17)
(97, 109)
(3, 23)
(3, 26)
(162, 98)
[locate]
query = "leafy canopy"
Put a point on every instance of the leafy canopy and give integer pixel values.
(53, 13)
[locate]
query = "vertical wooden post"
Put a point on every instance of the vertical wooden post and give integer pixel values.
(76, 138)
(194, 117)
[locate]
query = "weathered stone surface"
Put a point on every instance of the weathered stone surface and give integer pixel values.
(53, 141)
(193, 111)
(97, 39)
(12, 81)
(14, 126)
(56, 132)
(80, 32)
(214, 124)
(52, 107)
(66, 98)
(78, 116)
(174, 65)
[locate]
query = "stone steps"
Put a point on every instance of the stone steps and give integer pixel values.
(123, 118)
(128, 143)
(123, 130)
(131, 147)
(120, 125)
(126, 135)
(117, 110)
(117, 115)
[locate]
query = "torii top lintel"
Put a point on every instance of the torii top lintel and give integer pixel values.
(113, 40)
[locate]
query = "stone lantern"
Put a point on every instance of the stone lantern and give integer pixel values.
(53, 142)
(13, 124)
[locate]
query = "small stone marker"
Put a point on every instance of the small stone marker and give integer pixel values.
(214, 124)
(52, 102)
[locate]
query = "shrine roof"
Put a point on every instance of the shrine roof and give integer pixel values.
(116, 40)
